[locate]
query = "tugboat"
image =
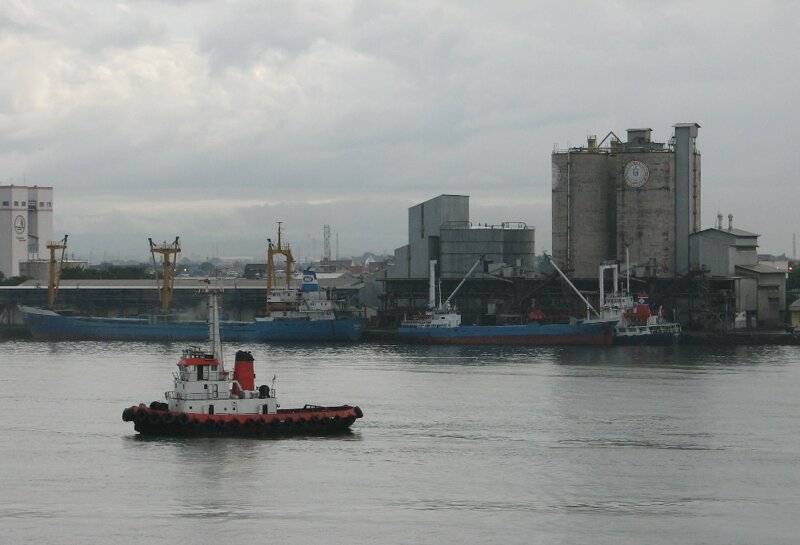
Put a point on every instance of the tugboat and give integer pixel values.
(207, 400)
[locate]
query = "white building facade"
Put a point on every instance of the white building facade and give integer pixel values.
(26, 225)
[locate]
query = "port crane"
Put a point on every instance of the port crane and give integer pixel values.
(166, 283)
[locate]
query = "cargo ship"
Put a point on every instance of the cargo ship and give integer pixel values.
(208, 400)
(441, 324)
(304, 314)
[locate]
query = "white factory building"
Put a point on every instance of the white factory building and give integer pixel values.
(26, 225)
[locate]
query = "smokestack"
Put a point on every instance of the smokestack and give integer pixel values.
(730, 222)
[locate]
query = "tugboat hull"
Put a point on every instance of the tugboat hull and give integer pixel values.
(309, 420)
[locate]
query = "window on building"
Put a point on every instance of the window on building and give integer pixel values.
(16, 203)
(49, 204)
(41, 204)
(5, 203)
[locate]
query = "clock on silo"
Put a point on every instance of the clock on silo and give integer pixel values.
(636, 173)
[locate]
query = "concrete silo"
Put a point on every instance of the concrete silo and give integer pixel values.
(583, 209)
(640, 195)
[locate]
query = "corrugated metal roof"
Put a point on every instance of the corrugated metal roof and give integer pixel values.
(760, 269)
(733, 232)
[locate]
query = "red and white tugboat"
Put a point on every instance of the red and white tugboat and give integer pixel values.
(206, 400)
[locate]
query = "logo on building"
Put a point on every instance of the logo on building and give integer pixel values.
(19, 225)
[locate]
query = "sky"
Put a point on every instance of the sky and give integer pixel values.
(213, 120)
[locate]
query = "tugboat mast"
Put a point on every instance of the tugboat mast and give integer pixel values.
(214, 339)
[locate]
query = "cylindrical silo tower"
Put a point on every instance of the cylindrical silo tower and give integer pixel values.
(582, 208)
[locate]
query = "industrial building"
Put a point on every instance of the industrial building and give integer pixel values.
(26, 225)
(728, 257)
(440, 229)
(640, 196)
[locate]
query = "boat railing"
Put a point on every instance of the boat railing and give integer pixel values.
(183, 396)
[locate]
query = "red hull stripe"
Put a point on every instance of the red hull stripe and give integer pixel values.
(282, 415)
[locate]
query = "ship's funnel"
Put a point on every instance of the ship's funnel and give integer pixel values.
(243, 375)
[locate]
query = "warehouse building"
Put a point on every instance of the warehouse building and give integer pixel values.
(731, 255)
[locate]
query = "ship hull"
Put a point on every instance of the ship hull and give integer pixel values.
(532, 334)
(48, 325)
(305, 421)
(648, 339)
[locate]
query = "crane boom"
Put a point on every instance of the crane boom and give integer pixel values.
(462, 281)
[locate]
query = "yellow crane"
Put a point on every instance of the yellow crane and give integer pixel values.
(272, 251)
(169, 255)
(55, 272)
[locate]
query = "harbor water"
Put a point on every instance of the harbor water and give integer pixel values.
(565, 445)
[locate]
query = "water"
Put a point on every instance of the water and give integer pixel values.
(458, 445)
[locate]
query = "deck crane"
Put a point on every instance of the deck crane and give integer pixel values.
(272, 251)
(166, 283)
(55, 272)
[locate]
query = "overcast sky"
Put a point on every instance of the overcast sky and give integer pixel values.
(214, 120)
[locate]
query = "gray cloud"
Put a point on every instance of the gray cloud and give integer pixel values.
(143, 115)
